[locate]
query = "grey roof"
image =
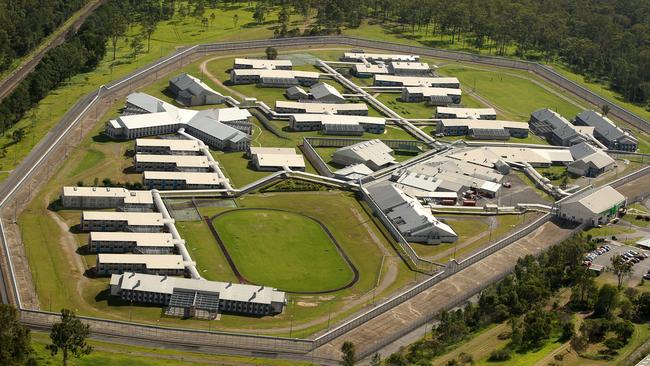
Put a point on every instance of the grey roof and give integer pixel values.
(322, 90)
(296, 90)
(206, 123)
(602, 125)
(581, 150)
(145, 102)
(385, 195)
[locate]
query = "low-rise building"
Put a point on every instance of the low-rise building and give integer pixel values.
(276, 158)
(593, 206)
(197, 298)
(337, 124)
(466, 113)
(607, 132)
(589, 161)
(140, 222)
(556, 129)
(252, 63)
(359, 109)
(353, 172)
(434, 96)
(296, 93)
(159, 264)
(412, 220)
(125, 242)
(167, 146)
(181, 180)
(409, 68)
(325, 93)
(367, 70)
(273, 78)
(373, 153)
(106, 197)
(191, 91)
(482, 129)
(404, 81)
(171, 163)
(225, 128)
(377, 57)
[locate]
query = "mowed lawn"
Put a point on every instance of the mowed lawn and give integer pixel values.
(282, 249)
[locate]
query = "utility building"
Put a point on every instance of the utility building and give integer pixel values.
(593, 206)
(589, 161)
(190, 91)
(373, 153)
(204, 299)
(167, 146)
(276, 158)
(325, 93)
(378, 57)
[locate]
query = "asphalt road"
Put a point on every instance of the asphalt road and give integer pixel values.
(8, 84)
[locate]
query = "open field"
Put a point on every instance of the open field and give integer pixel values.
(282, 249)
(110, 354)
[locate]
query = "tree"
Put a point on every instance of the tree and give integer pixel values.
(149, 24)
(605, 109)
(348, 351)
(375, 360)
(260, 13)
(271, 53)
(537, 327)
(136, 46)
(69, 337)
(235, 20)
(606, 301)
(621, 269)
(578, 343)
(116, 28)
(17, 135)
(15, 348)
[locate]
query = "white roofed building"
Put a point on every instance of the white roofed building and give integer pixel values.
(482, 129)
(404, 81)
(373, 153)
(593, 206)
(167, 146)
(171, 163)
(274, 78)
(435, 96)
(366, 70)
(338, 124)
(276, 158)
(142, 222)
(181, 180)
(359, 109)
(466, 113)
(162, 264)
(325, 93)
(378, 57)
(197, 298)
(126, 242)
(407, 68)
(106, 197)
(252, 63)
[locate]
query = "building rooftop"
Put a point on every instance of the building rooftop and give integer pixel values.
(226, 290)
(485, 124)
(596, 200)
(262, 64)
(192, 85)
(131, 197)
(146, 102)
(132, 218)
(337, 119)
(407, 65)
(374, 151)
(427, 91)
(273, 73)
(181, 161)
(151, 261)
(368, 68)
(467, 113)
(360, 56)
(322, 90)
(271, 150)
(189, 177)
(417, 80)
(140, 239)
(280, 160)
(332, 108)
(172, 144)
(603, 125)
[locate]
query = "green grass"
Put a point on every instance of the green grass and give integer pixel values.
(236, 167)
(608, 230)
(89, 160)
(633, 211)
(105, 353)
(210, 260)
(282, 249)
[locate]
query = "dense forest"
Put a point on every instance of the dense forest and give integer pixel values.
(606, 40)
(24, 24)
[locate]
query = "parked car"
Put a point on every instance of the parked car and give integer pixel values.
(646, 276)
(507, 184)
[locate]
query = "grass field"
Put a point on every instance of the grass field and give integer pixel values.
(105, 353)
(282, 249)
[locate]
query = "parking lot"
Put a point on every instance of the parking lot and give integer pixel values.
(638, 269)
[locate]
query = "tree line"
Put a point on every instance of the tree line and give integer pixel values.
(24, 24)
(605, 40)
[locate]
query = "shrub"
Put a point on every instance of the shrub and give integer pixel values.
(499, 355)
